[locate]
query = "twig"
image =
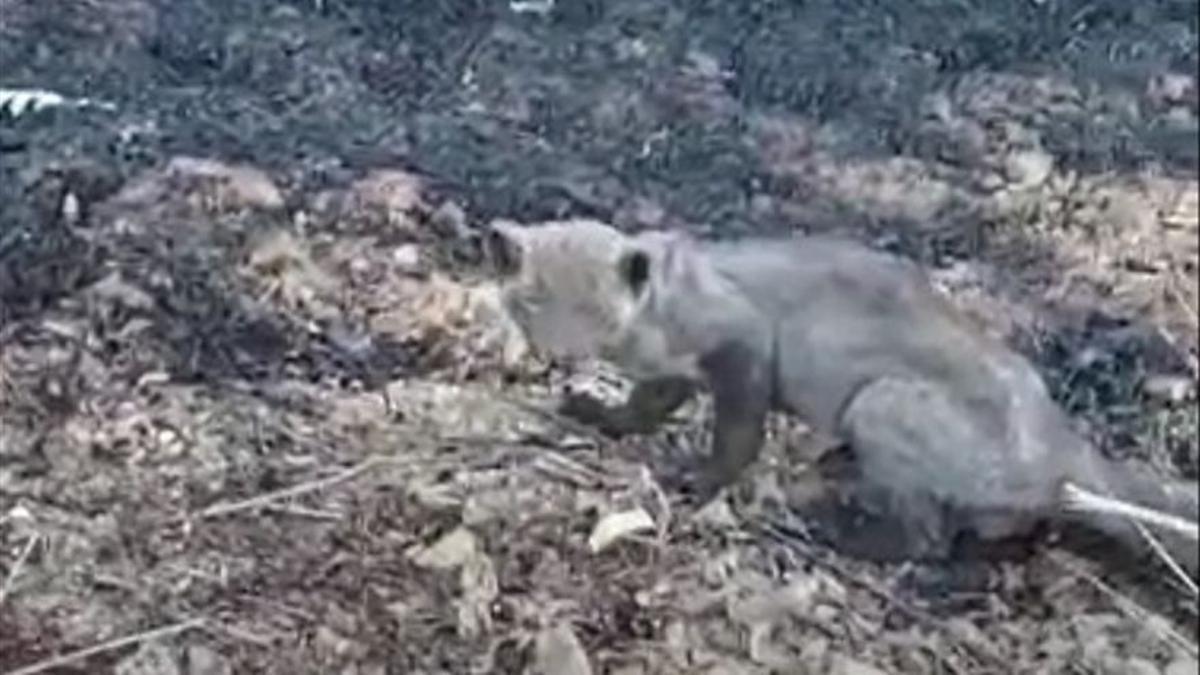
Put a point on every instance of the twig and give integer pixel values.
(1180, 299)
(1076, 498)
(1168, 560)
(294, 491)
(301, 512)
(562, 466)
(239, 634)
(11, 577)
(1193, 363)
(81, 654)
(1165, 631)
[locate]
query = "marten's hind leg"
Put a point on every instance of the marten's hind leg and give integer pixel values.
(935, 464)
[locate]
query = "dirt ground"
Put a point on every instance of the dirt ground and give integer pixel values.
(259, 412)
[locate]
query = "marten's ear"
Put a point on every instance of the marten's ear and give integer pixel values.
(503, 246)
(634, 269)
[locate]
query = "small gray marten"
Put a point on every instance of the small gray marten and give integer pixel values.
(951, 430)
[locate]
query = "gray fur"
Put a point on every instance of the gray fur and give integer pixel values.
(951, 430)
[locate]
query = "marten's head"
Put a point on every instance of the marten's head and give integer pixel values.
(583, 289)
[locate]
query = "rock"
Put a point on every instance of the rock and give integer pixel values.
(1168, 388)
(449, 552)
(203, 661)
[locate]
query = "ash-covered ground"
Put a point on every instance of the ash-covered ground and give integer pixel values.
(255, 392)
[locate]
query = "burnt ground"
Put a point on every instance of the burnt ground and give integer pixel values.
(253, 388)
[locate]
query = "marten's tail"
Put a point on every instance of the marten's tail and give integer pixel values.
(1167, 507)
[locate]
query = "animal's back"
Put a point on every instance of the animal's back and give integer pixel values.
(849, 316)
(846, 313)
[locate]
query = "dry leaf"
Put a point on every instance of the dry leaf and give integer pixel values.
(558, 652)
(479, 588)
(617, 525)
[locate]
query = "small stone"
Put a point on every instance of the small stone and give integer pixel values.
(449, 552)
(717, 514)
(71, 209)
(203, 661)
(407, 257)
(1168, 388)
(1028, 168)
(1172, 88)
(991, 181)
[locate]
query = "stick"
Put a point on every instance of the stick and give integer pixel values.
(81, 654)
(1076, 498)
(11, 578)
(1170, 562)
(296, 490)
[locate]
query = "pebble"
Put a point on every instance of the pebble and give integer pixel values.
(407, 257)
(844, 665)
(1028, 168)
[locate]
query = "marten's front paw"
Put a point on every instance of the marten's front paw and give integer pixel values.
(589, 410)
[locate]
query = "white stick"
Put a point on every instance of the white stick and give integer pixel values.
(11, 579)
(1076, 498)
(1171, 563)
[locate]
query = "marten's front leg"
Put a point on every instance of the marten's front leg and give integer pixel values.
(740, 381)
